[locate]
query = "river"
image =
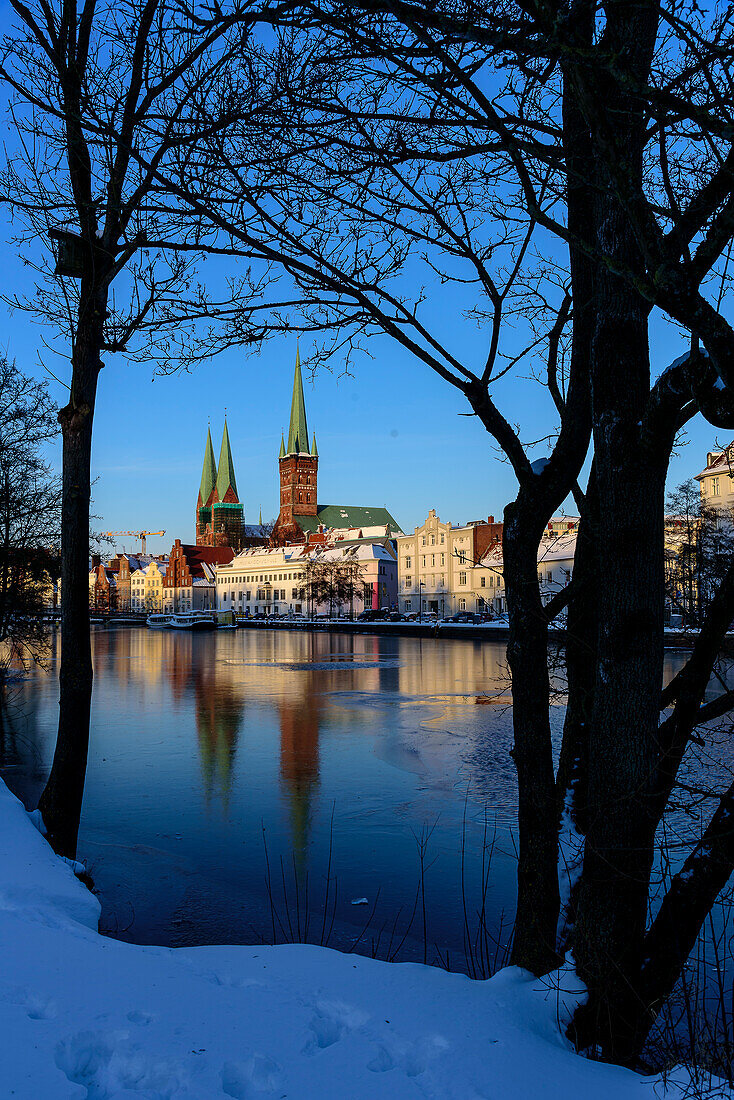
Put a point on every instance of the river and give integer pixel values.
(331, 758)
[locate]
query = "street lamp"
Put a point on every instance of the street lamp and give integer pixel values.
(420, 601)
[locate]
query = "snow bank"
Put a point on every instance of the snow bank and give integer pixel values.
(83, 1016)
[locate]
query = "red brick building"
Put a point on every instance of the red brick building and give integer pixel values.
(220, 515)
(188, 583)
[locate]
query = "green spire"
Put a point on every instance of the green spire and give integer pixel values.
(282, 446)
(314, 448)
(209, 471)
(260, 521)
(298, 431)
(225, 477)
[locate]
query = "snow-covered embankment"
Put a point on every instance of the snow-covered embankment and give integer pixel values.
(82, 1015)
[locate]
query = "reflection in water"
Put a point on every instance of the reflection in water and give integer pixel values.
(201, 742)
(299, 761)
(219, 711)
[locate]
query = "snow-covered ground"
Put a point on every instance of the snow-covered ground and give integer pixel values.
(82, 1015)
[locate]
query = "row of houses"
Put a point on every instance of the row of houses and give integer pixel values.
(445, 569)
(441, 568)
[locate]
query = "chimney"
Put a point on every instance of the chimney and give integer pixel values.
(96, 560)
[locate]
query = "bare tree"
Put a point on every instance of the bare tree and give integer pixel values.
(470, 144)
(105, 97)
(30, 499)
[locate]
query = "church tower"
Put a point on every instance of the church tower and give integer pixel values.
(298, 465)
(227, 514)
(206, 492)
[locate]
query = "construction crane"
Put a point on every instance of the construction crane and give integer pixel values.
(142, 535)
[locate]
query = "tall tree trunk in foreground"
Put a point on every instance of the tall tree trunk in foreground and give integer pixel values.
(61, 801)
(538, 900)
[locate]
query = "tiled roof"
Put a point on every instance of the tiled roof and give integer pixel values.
(721, 462)
(348, 515)
(196, 556)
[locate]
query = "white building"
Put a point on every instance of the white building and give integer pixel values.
(436, 565)
(555, 565)
(146, 586)
(272, 581)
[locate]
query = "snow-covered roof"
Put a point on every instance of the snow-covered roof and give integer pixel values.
(559, 548)
(719, 462)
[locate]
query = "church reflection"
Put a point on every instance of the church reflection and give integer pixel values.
(219, 709)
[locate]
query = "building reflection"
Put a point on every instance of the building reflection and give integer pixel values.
(219, 709)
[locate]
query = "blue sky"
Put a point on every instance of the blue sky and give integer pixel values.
(392, 434)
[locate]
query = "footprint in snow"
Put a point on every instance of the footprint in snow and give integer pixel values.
(412, 1058)
(255, 1075)
(330, 1022)
(139, 1017)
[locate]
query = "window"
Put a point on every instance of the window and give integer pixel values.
(433, 540)
(300, 498)
(442, 538)
(462, 578)
(715, 486)
(408, 582)
(407, 562)
(433, 559)
(549, 576)
(424, 561)
(482, 582)
(462, 557)
(443, 562)
(462, 605)
(408, 605)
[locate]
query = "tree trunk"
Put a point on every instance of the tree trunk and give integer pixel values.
(613, 895)
(582, 629)
(61, 801)
(538, 900)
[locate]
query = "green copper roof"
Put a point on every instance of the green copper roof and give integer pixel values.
(209, 472)
(298, 431)
(281, 453)
(338, 515)
(225, 477)
(314, 448)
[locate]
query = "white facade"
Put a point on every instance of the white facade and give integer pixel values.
(437, 569)
(146, 587)
(272, 581)
(555, 567)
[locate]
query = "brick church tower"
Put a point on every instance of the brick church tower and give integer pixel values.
(219, 513)
(227, 512)
(299, 466)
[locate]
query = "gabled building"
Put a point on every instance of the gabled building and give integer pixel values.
(188, 583)
(102, 586)
(556, 554)
(717, 480)
(301, 512)
(436, 565)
